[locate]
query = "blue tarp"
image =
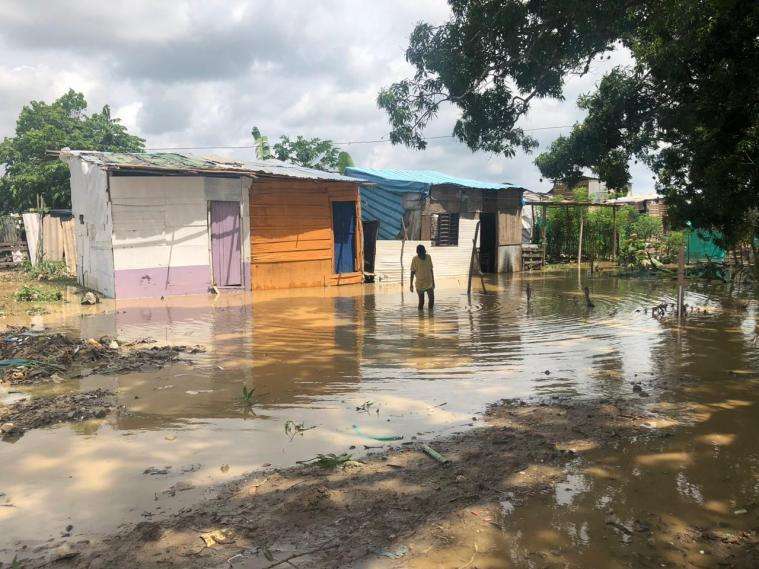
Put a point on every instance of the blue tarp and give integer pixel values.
(382, 201)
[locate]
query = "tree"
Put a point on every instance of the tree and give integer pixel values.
(263, 150)
(30, 172)
(317, 153)
(688, 105)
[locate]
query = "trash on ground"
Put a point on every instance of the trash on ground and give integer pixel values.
(428, 450)
(90, 298)
(220, 537)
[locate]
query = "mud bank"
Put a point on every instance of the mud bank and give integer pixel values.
(33, 357)
(400, 505)
(48, 410)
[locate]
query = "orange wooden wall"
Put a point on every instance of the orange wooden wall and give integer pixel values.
(291, 239)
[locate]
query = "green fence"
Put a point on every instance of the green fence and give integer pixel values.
(701, 246)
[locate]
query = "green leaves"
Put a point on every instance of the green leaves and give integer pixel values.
(687, 106)
(317, 153)
(29, 171)
(491, 60)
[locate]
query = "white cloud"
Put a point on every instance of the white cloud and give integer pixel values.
(200, 73)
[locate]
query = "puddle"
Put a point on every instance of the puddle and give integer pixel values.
(363, 366)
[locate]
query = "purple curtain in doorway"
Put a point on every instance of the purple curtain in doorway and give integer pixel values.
(225, 243)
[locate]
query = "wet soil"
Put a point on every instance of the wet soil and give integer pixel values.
(400, 505)
(644, 453)
(46, 410)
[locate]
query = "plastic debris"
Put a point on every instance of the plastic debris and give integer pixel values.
(90, 298)
(429, 451)
(220, 537)
(377, 437)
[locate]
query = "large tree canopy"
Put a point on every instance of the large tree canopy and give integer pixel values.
(688, 106)
(30, 172)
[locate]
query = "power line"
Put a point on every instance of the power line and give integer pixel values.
(341, 143)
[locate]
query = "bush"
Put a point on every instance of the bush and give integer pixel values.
(31, 293)
(46, 270)
(673, 241)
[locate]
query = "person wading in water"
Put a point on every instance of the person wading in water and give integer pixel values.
(421, 268)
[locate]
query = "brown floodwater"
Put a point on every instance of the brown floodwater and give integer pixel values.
(361, 363)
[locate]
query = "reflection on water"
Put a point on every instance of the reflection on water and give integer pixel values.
(315, 356)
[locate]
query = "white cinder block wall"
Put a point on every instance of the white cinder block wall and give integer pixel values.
(448, 261)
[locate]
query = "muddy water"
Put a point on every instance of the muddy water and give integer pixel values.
(361, 364)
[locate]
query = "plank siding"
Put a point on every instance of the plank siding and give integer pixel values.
(291, 239)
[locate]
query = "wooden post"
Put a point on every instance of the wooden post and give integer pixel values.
(614, 233)
(403, 246)
(543, 237)
(471, 260)
(680, 282)
(579, 247)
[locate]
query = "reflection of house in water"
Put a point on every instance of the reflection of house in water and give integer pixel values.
(287, 347)
(441, 212)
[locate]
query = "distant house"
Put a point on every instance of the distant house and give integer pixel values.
(651, 204)
(596, 189)
(154, 224)
(402, 208)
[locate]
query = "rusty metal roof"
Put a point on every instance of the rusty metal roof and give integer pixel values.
(172, 162)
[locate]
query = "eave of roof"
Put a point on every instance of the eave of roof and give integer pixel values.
(173, 163)
(406, 181)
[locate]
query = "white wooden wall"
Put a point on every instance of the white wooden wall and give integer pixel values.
(162, 221)
(447, 261)
(93, 226)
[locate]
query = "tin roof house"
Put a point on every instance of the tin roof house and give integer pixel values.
(402, 208)
(155, 224)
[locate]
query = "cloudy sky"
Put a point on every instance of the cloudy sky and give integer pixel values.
(186, 73)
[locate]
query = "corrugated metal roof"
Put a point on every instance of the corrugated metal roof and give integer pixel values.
(634, 198)
(404, 181)
(176, 162)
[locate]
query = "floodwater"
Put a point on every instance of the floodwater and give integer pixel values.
(360, 364)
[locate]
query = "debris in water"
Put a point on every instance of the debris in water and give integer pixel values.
(180, 486)
(377, 437)
(90, 298)
(157, 470)
(32, 357)
(48, 410)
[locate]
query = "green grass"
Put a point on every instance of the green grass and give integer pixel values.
(331, 461)
(46, 270)
(32, 293)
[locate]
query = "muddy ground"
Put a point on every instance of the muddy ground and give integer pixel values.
(46, 410)
(399, 507)
(34, 357)
(38, 358)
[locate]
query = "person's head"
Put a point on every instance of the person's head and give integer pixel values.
(421, 251)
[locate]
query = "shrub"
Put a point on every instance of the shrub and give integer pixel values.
(31, 293)
(46, 270)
